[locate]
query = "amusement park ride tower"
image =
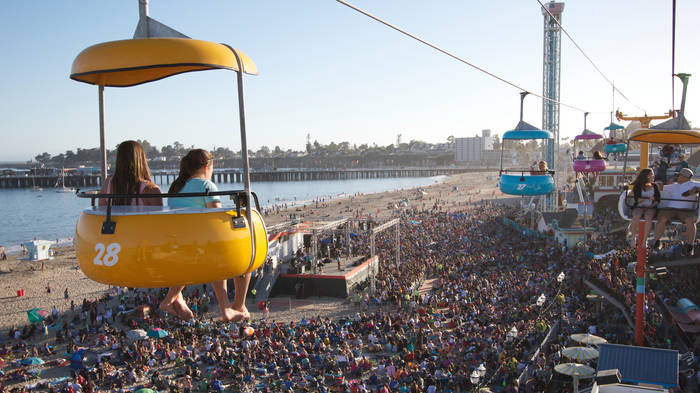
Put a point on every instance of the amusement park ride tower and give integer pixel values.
(551, 67)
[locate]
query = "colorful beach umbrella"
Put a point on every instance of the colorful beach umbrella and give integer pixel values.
(37, 315)
(588, 339)
(574, 369)
(580, 354)
(157, 333)
(32, 360)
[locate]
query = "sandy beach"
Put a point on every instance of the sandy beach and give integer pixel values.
(62, 272)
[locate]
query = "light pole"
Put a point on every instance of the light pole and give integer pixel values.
(477, 375)
(540, 300)
(511, 335)
(474, 379)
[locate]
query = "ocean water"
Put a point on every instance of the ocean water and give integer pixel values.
(48, 215)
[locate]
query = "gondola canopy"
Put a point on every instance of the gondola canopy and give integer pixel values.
(135, 61)
(674, 137)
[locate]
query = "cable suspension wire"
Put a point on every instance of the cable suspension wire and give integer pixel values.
(673, 56)
(588, 58)
(456, 57)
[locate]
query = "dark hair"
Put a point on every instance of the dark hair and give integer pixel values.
(641, 178)
(130, 170)
(195, 160)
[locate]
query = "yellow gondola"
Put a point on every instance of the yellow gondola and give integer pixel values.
(675, 131)
(148, 246)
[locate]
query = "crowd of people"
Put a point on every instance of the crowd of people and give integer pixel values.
(486, 285)
(490, 294)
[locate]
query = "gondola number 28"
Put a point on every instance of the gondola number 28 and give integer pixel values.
(107, 256)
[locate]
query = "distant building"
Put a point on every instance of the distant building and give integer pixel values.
(473, 149)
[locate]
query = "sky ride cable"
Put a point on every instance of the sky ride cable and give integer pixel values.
(673, 56)
(588, 58)
(457, 57)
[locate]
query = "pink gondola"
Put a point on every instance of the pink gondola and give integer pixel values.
(587, 166)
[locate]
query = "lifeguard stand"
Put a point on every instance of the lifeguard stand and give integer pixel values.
(38, 250)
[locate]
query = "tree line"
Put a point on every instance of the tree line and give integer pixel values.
(176, 150)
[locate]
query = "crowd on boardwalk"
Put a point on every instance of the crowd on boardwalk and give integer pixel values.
(482, 310)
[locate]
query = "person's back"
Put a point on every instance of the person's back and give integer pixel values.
(191, 186)
(131, 176)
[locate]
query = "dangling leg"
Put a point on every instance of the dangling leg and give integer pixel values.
(240, 283)
(227, 312)
(648, 220)
(175, 304)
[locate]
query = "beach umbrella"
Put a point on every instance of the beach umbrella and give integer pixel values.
(588, 339)
(136, 334)
(574, 370)
(157, 333)
(580, 353)
(36, 315)
(32, 360)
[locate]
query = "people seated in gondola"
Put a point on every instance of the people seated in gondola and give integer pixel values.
(682, 163)
(597, 155)
(681, 205)
(541, 169)
(660, 168)
(580, 155)
(196, 169)
(646, 196)
(131, 176)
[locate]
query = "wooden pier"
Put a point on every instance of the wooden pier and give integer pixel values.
(48, 182)
(236, 176)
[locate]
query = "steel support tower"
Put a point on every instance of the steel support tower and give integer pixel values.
(551, 67)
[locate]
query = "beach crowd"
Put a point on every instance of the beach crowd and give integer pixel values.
(470, 297)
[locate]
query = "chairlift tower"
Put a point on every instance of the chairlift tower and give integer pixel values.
(551, 67)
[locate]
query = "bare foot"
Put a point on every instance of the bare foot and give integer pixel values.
(182, 311)
(244, 311)
(229, 314)
(168, 308)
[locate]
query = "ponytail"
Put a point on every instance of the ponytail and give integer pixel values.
(195, 160)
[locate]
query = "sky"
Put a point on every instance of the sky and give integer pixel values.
(335, 75)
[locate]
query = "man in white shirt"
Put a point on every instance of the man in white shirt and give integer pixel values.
(677, 207)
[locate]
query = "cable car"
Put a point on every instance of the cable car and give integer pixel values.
(589, 164)
(675, 131)
(521, 181)
(613, 145)
(153, 246)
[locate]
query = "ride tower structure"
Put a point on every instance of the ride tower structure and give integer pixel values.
(551, 68)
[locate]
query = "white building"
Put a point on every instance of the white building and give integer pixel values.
(38, 250)
(472, 149)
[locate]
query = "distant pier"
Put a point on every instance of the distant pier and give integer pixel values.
(236, 176)
(47, 182)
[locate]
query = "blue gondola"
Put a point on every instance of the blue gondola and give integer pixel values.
(530, 181)
(525, 181)
(611, 144)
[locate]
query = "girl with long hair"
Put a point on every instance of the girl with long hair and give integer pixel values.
(646, 197)
(131, 176)
(196, 169)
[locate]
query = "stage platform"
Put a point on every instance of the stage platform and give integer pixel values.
(330, 281)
